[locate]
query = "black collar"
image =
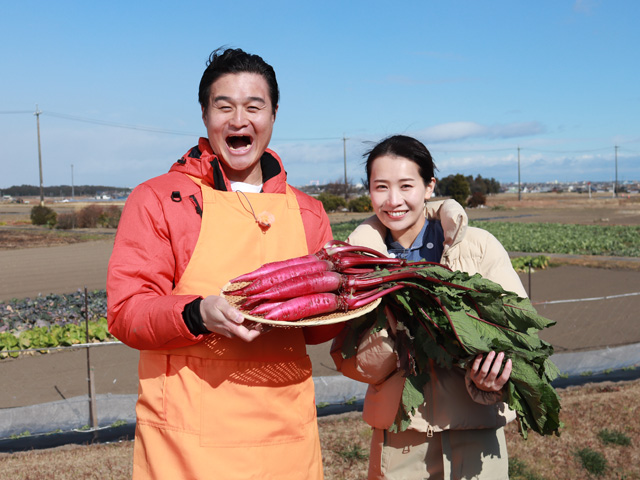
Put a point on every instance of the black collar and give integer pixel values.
(270, 168)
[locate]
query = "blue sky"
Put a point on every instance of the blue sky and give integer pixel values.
(117, 83)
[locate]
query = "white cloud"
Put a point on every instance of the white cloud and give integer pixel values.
(448, 132)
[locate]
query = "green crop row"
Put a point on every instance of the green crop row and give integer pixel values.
(614, 240)
(54, 336)
(611, 240)
(523, 264)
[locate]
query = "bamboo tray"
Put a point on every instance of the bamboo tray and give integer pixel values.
(316, 320)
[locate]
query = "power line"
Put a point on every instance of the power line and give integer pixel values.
(118, 125)
(567, 151)
(628, 150)
(76, 118)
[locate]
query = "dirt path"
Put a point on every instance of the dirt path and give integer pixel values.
(58, 269)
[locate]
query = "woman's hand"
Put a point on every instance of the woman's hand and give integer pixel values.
(221, 318)
(484, 374)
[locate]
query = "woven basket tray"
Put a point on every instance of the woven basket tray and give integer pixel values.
(327, 319)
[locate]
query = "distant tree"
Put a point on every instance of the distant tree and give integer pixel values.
(360, 204)
(43, 215)
(66, 221)
(110, 217)
(486, 186)
(65, 191)
(332, 202)
(454, 186)
(477, 199)
(337, 187)
(89, 216)
(459, 189)
(494, 186)
(442, 186)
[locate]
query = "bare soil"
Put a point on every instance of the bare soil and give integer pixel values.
(29, 237)
(587, 412)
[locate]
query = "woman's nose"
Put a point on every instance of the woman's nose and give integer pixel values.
(394, 197)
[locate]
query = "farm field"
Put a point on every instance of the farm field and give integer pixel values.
(588, 409)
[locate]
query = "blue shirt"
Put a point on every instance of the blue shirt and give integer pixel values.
(427, 246)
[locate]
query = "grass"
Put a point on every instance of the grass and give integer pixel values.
(614, 437)
(518, 470)
(599, 419)
(593, 462)
(342, 230)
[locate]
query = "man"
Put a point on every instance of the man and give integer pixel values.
(218, 398)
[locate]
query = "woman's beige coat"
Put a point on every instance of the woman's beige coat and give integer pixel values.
(451, 400)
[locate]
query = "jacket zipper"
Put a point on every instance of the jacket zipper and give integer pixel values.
(197, 205)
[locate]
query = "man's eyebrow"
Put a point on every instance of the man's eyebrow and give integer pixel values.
(225, 98)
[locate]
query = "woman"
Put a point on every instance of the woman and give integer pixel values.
(458, 431)
(218, 398)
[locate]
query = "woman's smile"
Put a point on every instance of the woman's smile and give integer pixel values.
(397, 214)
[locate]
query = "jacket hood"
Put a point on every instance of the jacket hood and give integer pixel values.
(201, 162)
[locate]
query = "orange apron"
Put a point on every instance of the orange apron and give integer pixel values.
(223, 408)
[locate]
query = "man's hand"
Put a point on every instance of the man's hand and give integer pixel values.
(221, 318)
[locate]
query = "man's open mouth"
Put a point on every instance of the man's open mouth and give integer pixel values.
(239, 142)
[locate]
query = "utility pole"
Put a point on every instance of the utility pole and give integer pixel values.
(37, 114)
(519, 188)
(346, 183)
(615, 189)
(72, 190)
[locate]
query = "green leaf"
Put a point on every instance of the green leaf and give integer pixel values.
(450, 317)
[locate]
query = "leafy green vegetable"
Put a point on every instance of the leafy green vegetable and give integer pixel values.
(450, 317)
(54, 336)
(523, 264)
(614, 240)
